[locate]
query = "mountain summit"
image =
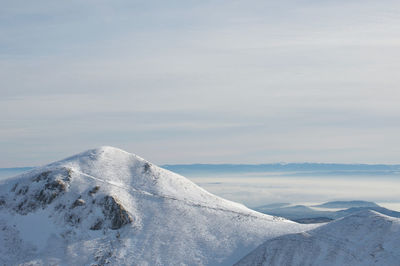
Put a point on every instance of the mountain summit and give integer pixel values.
(109, 206)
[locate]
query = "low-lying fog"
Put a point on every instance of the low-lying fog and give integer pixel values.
(263, 188)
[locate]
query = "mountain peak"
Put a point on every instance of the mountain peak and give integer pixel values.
(102, 153)
(123, 210)
(116, 168)
(110, 151)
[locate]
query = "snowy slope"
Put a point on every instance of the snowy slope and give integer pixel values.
(109, 206)
(364, 238)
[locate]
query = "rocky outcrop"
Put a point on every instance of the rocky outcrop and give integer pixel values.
(39, 191)
(52, 186)
(115, 215)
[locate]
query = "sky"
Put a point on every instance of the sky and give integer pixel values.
(201, 81)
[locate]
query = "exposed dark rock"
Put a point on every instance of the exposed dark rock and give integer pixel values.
(45, 196)
(97, 225)
(29, 197)
(146, 167)
(20, 205)
(47, 187)
(103, 258)
(41, 176)
(72, 219)
(67, 177)
(14, 187)
(56, 185)
(23, 190)
(115, 212)
(94, 190)
(78, 202)
(51, 190)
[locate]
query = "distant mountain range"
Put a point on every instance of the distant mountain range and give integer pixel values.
(286, 168)
(289, 168)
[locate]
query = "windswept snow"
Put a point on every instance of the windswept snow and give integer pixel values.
(109, 206)
(364, 238)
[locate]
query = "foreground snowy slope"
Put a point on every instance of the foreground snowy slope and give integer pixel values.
(364, 238)
(109, 206)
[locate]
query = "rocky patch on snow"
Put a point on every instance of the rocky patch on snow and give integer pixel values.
(39, 191)
(47, 190)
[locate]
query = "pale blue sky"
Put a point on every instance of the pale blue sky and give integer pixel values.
(201, 81)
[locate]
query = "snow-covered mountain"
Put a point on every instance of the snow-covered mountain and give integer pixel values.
(311, 214)
(109, 206)
(364, 238)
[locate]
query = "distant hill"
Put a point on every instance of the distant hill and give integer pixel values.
(299, 213)
(347, 204)
(307, 214)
